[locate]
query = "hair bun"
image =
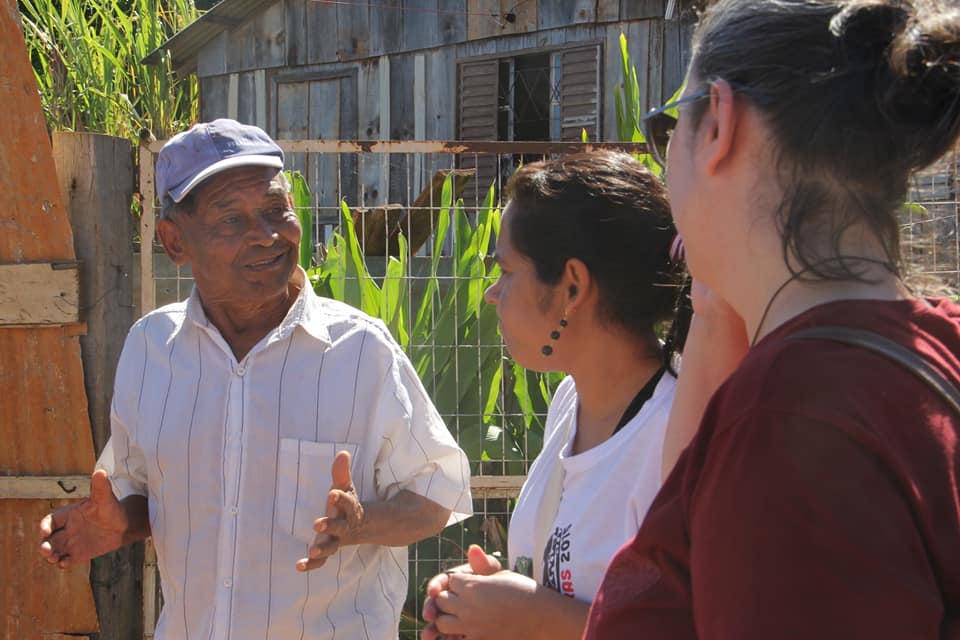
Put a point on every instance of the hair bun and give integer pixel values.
(924, 59)
(864, 30)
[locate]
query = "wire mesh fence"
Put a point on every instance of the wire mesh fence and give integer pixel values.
(413, 244)
(405, 232)
(930, 230)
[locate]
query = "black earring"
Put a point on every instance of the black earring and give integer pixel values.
(547, 349)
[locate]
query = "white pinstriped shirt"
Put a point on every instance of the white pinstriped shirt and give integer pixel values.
(235, 459)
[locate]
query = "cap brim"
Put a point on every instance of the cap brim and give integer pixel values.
(227, 163)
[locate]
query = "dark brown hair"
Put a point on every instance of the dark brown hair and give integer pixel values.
(609, 211)
(858, 95)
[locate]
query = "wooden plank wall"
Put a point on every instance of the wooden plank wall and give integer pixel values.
(289, 33)
(660, 51)
(267, 71)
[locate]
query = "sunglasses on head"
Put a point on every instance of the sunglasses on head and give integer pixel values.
(658, 125)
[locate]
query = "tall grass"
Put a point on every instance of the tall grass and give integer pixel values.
(86, 58)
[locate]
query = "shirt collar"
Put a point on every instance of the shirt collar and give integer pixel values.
(307, 312)
(304, 312)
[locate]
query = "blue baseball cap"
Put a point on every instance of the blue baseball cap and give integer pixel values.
(208, 148)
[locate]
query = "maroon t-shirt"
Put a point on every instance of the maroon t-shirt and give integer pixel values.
(818, 500)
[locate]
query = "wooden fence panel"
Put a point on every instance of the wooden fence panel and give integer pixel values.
(95, 173)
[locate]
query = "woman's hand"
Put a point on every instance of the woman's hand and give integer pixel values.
(480, 602)
(708, 304)
(715, 346)
(478, 563)
(479, 607)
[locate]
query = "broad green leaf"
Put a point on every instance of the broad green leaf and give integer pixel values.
(675, 110)
(395, 294)
(303, 205)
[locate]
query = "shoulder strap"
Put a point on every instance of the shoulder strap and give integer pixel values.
(892, 350)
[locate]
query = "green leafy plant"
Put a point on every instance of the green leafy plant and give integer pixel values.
(629, 109)
(434, 308)
(303, 205)
(86, 58)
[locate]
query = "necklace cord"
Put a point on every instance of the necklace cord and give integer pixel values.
(796, 275)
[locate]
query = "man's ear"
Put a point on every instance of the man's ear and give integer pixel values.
(720, 125)
(171, 237)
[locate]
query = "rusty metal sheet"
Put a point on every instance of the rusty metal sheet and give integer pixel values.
(44, 425)
(442, 146)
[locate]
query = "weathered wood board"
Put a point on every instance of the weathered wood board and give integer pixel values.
(44, 425)
(39, 294)
(44, 487)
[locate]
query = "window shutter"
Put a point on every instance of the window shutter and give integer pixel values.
(478, 116)
(580, 93)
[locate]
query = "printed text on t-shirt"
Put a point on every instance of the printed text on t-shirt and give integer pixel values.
(556, 562)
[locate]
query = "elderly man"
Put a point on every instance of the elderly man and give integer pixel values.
(233, 410)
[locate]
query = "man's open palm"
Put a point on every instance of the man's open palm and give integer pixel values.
(82, 531)
(344, 515)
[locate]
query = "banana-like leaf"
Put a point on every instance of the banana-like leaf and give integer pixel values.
(303, 205)
(675, 110)
(394, 293)
(453, 338)
(361, 289)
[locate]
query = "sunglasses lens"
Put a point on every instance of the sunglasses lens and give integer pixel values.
(660, 128)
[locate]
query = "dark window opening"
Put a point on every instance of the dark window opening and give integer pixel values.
(523, 102)
(531, 97)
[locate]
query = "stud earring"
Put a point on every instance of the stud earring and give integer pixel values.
(547, 349)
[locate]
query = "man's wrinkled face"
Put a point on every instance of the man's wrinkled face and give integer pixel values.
(242, 238)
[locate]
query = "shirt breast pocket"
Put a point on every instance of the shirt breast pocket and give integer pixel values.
(303, 481)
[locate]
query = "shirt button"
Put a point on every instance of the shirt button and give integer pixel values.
(241, 371)
(233, 511)
(228, 583)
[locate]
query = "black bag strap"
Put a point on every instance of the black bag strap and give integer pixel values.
(892, 350)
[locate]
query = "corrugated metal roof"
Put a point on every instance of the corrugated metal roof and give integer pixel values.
(185, 45)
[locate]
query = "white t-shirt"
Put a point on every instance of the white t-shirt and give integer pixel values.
(606, 492)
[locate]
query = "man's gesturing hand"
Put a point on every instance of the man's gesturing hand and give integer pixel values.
(82, 531)
(344, 517)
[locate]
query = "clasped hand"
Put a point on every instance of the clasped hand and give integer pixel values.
(460, 602)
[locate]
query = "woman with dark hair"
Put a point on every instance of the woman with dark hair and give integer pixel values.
(586, 278)
(819, 496)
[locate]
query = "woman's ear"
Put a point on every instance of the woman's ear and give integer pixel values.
(577, 284)
(719, 124)
(171, 237)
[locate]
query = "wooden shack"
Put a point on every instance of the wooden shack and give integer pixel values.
(521, 70)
